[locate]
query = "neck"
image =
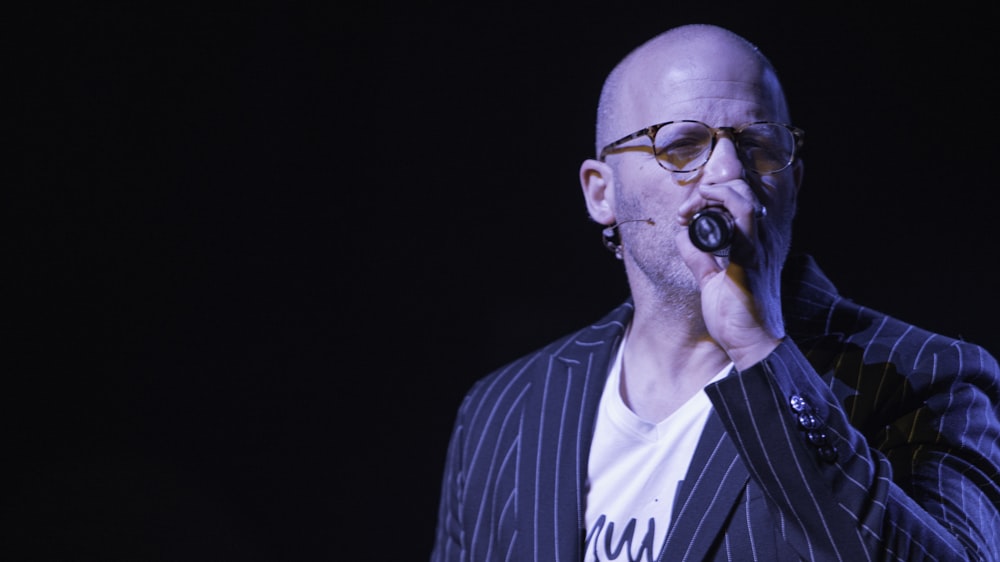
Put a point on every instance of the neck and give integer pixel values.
(668, 358)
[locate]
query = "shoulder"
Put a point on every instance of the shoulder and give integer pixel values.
(824, 323)
(576, 354)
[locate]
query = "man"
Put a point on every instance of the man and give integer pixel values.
(735, 407)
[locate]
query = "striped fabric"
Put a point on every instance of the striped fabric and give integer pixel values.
(860, 438)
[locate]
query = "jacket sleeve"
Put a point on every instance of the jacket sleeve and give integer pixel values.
(882, 458)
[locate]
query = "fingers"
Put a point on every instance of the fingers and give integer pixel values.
(735, 196)
(703, 265)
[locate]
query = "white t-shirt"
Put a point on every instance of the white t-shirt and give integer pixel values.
(634, 472)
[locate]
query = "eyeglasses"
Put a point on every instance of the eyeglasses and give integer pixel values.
(684, 146)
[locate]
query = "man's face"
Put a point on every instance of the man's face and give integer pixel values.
(719, 85)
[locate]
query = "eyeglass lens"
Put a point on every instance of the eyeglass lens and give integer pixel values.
(686, 146)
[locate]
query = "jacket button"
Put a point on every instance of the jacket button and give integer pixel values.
(798, 404)
(809, 421)
(828, 453)
(817, 438)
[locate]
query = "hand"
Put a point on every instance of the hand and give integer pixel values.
(741, 293)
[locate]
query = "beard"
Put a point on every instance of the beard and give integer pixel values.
(651, 252)
(654, 260)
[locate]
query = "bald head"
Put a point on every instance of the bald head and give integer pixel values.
(689, 72)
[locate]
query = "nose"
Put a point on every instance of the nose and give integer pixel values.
(724, 163)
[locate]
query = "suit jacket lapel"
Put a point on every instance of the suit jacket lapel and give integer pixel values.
(557, 429)
(708, 495)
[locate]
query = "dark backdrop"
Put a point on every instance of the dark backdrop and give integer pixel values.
(259, 251)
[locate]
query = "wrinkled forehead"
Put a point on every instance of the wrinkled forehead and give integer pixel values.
(719, 84)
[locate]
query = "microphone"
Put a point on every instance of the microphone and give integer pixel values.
(711, 230)
(619, 223)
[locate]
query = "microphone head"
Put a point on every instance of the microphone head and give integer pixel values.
(711, 230)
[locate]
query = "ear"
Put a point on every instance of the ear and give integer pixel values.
(598, 182)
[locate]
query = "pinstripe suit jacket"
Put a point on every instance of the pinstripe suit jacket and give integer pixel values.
(913, 417)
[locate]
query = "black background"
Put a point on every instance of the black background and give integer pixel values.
(258, 251)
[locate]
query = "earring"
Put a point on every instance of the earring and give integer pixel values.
(608, 236)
